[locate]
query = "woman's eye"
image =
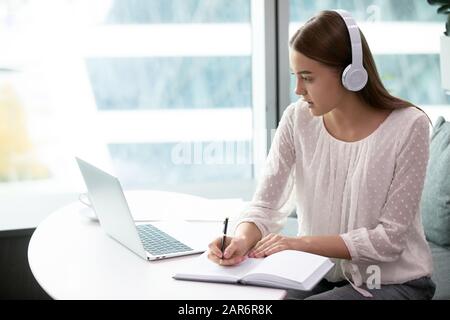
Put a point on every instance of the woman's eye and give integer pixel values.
(307, 79)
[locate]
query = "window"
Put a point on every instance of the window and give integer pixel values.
(179, 110)
(404, 38)
(158, 92)
(162, 93)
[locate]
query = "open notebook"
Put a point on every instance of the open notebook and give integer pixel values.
(288, 269)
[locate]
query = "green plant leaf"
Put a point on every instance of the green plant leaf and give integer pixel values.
(438, 2)
(444, 9)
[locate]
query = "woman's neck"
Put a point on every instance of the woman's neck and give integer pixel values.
(353, 119)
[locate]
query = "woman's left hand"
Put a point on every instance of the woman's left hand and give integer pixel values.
(271, 244)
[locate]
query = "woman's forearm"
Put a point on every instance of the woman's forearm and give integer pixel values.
(249, 232)
(328, 246)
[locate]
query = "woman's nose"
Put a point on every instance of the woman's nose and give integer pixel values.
(300, 90)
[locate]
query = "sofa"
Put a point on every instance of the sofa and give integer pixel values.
(435, 208)
(441, 273)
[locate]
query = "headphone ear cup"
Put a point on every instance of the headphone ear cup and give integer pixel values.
(354, 78)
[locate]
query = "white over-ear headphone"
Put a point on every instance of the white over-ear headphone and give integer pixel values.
(354, 77)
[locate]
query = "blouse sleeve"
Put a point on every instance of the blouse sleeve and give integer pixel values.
(386, 241)
(272, 201)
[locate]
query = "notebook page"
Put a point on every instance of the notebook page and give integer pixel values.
(291, 264)
(204, 268)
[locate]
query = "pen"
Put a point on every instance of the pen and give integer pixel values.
(225, 226)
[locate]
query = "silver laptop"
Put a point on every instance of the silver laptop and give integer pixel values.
(151, 241)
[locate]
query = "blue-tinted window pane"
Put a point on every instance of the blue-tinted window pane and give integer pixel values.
(178, 11)
(413, 77)
(410, 77)
(169, 164)
(170, 83)
(379, 10)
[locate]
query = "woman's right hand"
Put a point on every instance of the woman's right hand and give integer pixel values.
(235, 252)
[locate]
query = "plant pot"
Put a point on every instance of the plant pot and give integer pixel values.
(445, 62)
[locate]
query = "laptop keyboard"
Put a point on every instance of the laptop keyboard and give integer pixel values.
(158, 242)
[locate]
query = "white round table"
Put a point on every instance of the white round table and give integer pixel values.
(71, 257)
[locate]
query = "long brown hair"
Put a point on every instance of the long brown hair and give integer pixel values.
(325, 38)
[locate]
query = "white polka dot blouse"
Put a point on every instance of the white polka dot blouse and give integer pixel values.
(367, 191)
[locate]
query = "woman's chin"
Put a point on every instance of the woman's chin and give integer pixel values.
(312, 109)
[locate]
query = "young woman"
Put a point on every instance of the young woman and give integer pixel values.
(356, 162)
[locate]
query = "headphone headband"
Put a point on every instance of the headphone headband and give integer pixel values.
(355, 37)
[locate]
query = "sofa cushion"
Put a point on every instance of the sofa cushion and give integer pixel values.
(441, 271)
(435, 202)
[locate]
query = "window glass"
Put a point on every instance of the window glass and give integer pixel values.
(127, 84)
(170, 83)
